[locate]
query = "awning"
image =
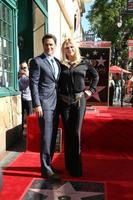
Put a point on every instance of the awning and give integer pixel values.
(118, 70)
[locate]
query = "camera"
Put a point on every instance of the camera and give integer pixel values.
(23, 68)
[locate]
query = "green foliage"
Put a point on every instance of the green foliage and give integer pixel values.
(103, 18)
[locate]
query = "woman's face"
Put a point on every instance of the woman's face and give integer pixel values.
(70, 50)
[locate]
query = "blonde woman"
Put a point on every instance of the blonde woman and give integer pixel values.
(72, 101)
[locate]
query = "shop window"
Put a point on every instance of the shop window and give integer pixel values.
(7, 59)
(38, 29)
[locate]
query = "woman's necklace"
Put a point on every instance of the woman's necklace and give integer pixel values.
(71, 64)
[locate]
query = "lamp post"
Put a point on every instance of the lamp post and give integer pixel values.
(119, 25)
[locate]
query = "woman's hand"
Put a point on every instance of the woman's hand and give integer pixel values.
(87, 93)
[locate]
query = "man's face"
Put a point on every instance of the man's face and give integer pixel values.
(49, 46)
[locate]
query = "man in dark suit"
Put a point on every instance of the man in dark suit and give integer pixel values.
(44, 74)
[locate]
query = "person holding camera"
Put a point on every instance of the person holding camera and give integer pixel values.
(26, 100)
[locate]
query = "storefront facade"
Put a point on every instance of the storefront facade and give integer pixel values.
(10, 101)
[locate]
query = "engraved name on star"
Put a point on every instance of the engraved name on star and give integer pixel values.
(65, 190)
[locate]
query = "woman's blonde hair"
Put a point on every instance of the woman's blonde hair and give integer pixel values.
(77, 57)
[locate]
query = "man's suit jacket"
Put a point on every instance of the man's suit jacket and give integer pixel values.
(42, 83)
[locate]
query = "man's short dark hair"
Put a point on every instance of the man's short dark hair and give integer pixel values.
(49, 36)
(22, 61)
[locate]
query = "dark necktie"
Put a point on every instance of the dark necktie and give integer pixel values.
(55, 68)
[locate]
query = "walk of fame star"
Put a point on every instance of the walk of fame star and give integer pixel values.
(96, 94)
(101, 61)
(95, 52)
(65, 192)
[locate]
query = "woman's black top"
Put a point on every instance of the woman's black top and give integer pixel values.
(72, 80)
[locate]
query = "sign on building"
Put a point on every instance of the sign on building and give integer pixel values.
(130, 49)
(130, 6)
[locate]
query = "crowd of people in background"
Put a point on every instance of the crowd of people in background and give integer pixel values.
(119, 87)
(130, 87)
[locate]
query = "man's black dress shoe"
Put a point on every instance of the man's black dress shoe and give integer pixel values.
(55, 170)
(75, 174)
(52, 176)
